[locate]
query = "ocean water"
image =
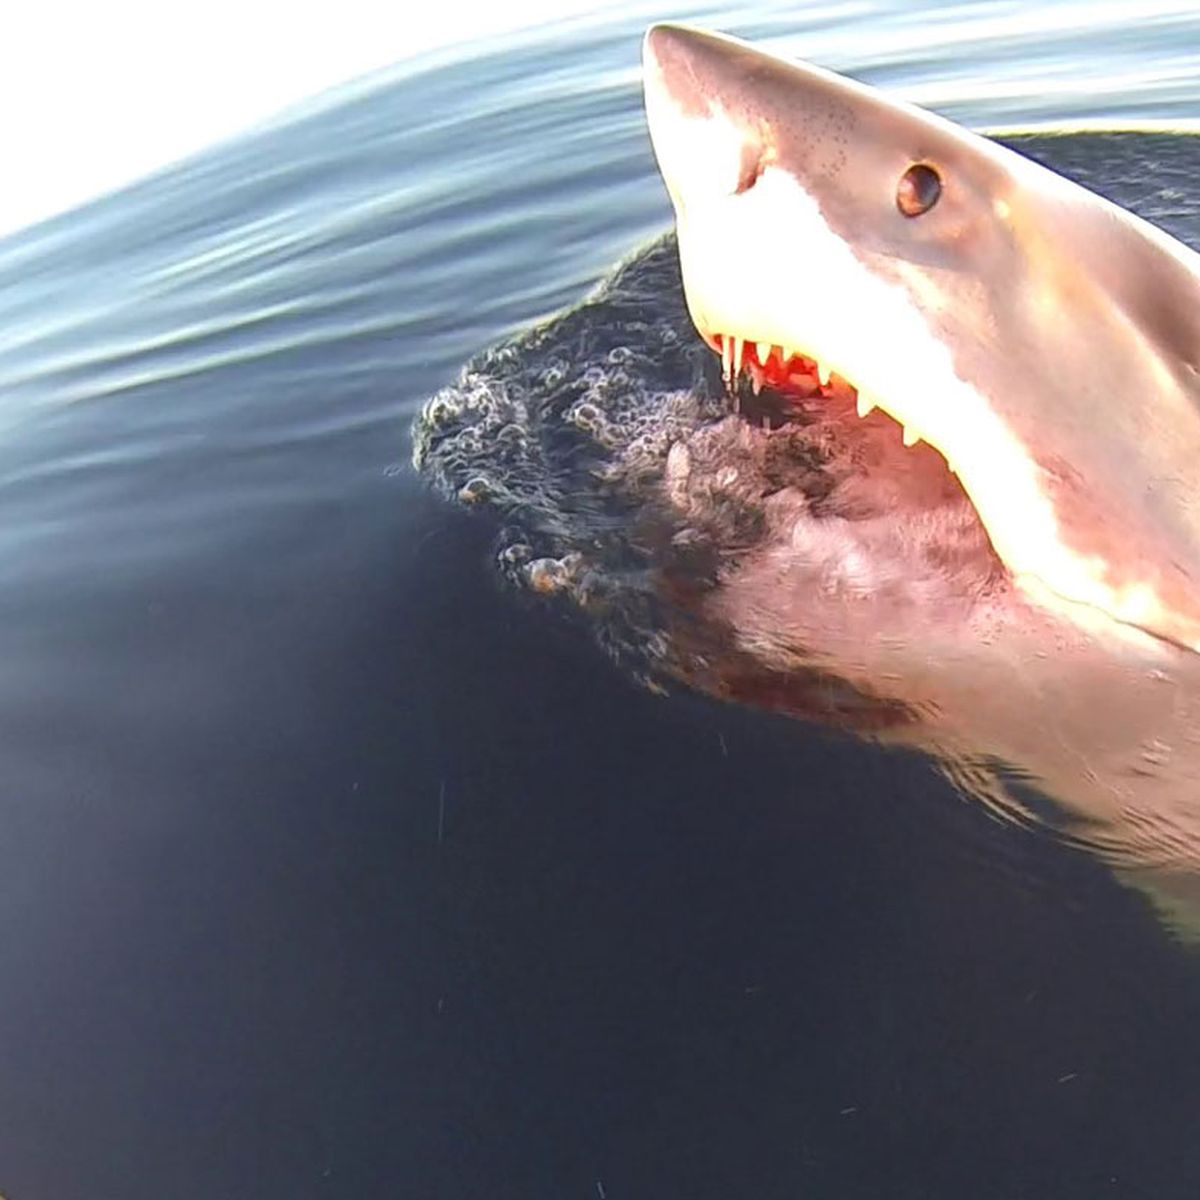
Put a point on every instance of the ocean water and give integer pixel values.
(327, 869)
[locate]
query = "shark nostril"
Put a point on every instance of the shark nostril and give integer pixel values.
(751, 169)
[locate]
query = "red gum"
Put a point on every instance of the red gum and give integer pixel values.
(776, 370)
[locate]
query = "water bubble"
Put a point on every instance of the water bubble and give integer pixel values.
(475, 491)
(547, 575)
(587, 416)
(515, 555)
(442, 410)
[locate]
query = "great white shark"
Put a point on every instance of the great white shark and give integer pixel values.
(930, 471)
(1046, 343)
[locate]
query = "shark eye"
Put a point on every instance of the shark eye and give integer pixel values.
(918, 190)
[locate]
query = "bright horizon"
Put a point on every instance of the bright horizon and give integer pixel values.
(96, 97)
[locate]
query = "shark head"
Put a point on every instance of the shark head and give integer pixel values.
(1043, 340)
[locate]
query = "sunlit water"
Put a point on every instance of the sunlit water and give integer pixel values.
(329, 870)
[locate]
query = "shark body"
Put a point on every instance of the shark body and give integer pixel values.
(931, 470)
(1046, 344)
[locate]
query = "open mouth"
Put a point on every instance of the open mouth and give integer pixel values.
(773, 387)
(785, 384)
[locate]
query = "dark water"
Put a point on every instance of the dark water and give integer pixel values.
(330, 870)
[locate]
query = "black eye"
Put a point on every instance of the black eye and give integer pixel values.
(918, 190)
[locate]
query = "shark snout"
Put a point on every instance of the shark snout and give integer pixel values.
(700, 70)
(668, 60)
(720, 114)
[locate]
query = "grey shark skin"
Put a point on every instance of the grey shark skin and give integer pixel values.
(1046, 343)
(1044, 340)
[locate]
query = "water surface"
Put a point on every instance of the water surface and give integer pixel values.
(329, 870)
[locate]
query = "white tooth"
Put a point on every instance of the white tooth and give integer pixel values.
(727, 359)
(864, 404)
(911, 436)
(764, 352)
(823, 374)
(739, 348)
